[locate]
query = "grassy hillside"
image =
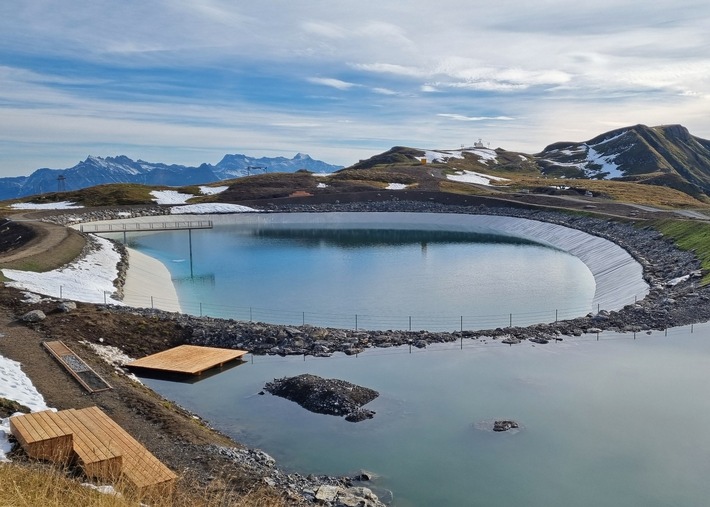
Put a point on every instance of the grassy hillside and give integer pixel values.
(689, 235)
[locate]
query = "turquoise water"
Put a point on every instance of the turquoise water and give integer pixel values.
(372, 279)
(614, 422)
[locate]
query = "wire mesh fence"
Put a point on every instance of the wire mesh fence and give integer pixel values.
(364, 321)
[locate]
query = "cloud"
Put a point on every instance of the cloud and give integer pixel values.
(193, 77)
(333, 83)
(460, 117)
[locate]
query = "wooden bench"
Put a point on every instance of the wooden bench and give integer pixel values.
(42, 438)
(98, 456)
(100, 447)
(144, 472)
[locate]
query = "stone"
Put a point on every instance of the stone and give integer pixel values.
(327, 493)
(66, 306)
(505, 425)
(33, 316)
(357, 497)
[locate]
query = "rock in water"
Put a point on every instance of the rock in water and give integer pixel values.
(325, 396)
(504, 425)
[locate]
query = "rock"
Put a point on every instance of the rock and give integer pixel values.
(33, 316)
(511, 340)
(504, 425)
(325, 396)
(66, 306)
(327, 493)
(357, 497)
(360, 414)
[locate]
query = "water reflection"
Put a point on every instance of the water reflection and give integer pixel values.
(369, 238)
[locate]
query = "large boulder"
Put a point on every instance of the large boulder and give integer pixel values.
(325, 396)
(33, 316)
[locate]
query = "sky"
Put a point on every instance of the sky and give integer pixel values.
(188, 81)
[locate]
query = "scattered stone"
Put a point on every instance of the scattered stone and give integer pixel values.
(33, 316)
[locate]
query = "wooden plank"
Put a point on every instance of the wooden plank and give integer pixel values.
(190, 359)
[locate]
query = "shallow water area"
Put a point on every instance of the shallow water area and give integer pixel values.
(618, 421)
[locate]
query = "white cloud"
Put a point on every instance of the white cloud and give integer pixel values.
(461, 117)
(185, 81)
(333, 83)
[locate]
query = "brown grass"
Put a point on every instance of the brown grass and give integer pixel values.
(23, 485)
(634, 193)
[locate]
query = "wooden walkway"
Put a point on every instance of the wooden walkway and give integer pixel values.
(97, 444)
(77, 368)
(188, 359)
(146, 226)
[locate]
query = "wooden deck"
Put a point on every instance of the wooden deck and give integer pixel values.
(77, 368)
(188, 359)
(97, 444)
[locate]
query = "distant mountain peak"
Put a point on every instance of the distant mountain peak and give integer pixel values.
(95, 170)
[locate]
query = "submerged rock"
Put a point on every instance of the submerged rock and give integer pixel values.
(325, 396)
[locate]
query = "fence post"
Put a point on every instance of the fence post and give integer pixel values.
(462, 323)
(61, 289)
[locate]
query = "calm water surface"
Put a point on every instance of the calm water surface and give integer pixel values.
(377, 279)
(614, 422)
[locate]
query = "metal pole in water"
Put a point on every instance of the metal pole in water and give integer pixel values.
(511, 320)
(356, 322)
(189, 235)
(303, 318)
(462, 323)
(410, 322)
(151, 301)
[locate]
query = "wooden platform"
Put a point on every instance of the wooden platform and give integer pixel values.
(188, 359)
(77, 368)
(97, 444)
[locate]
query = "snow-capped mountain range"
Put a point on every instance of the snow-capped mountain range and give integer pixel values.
(121, 169)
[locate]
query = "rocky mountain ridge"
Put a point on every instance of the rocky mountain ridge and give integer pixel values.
(666, 155)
